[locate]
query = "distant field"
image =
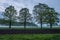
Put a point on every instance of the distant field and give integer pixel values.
(30, 37)
(18, 27)
(27, 27)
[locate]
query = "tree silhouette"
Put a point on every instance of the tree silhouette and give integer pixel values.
(51, 17)
(24, 16)
(9, 14)
(39, 12)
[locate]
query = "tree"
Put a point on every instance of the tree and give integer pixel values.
(24, 16)
(9, 14)
(2, 21)
(39, 12)
(51, 17)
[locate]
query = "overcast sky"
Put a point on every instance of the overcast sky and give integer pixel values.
(18, 4)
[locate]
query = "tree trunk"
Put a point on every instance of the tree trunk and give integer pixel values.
(25, 24)
(51, 25)
(41, 24)
(10, 24)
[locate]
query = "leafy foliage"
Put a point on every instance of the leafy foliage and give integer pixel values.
(39, 12)
(51, 17)
(10, 13)
(24, 16)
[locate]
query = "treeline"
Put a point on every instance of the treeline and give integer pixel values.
(42, 14)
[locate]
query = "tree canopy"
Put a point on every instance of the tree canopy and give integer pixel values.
(42, 13)
(24, 16)
(10, 14)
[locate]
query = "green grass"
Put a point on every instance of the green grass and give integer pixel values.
(30, 37)
(3, 28)
(18, 28)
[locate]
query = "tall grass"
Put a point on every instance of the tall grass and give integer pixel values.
(30, 37)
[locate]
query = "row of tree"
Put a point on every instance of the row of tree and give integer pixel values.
(43, 14)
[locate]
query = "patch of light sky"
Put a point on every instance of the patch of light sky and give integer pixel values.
(18, 4)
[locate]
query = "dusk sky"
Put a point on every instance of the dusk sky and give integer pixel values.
(18, 4)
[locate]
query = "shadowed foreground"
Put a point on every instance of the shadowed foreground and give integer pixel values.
(30, 37)
(29, 31)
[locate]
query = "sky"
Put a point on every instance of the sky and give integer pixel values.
(19, 4)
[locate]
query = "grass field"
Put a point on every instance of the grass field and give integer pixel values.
(30, 37)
